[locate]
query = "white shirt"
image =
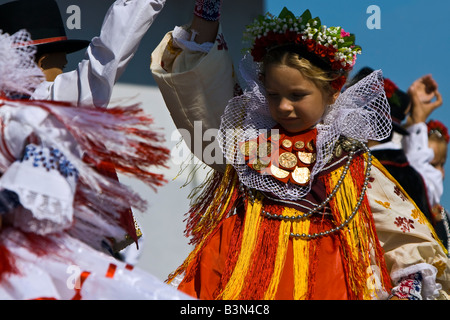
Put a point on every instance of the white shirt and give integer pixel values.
(420, 156)
(124, 25)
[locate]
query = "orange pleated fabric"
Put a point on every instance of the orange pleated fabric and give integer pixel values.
(327, 274)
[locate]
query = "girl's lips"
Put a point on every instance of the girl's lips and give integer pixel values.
(289, 119)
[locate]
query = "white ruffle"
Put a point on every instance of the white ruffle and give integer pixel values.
(430, 289)
(46, 195)
(18, 70)
(182, 39)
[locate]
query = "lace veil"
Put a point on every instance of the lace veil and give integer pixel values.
(361, 112)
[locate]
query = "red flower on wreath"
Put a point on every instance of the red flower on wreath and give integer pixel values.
(338, 83)
(390, 88)
(437, 126)
(321, 50)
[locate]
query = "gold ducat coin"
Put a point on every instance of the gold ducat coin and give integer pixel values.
(299, 144)
(301, 175)
(310, 146)
(287, 143)
(306, 157)
(275, 137)
(248, 148)
(278, 173)
(287, 160)
(259, 164)
(264, 149)
(338, 151)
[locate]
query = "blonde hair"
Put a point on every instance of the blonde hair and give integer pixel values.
(321, 78)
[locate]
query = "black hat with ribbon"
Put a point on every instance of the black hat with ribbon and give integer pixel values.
(398, 100)
(42, 19)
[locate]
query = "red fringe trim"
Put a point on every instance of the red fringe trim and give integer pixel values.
(260, 273)
(7, 263)
(316, 226)
(233, 253)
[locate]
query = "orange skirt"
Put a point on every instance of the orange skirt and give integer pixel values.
(327, 282)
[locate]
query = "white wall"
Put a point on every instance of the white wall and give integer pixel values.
(164, 246)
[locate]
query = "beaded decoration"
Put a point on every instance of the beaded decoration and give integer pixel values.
(50, 159)
(208, 9)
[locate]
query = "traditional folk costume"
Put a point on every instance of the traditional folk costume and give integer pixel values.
(420, 155)
(58, 212)
(391, 153)
(310, 215)
(106, 57)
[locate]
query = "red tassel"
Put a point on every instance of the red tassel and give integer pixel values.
(7, 263)
(259, 275)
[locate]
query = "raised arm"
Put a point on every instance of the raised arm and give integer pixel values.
(425, 98)
(205, 22)
(195, 74)
(108, 55)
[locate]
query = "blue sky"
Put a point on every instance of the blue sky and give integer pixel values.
(414, 40)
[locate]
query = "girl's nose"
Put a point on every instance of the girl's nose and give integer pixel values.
(285, 106)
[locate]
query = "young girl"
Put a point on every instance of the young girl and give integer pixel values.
(300, 209)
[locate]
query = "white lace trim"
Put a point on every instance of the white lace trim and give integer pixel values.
(19, 74)
(183, 40)
(360, 113)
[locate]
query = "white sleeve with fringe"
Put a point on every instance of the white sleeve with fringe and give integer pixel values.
(420, 156)
(410, 243)
(196, 82)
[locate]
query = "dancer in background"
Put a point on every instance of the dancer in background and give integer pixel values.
(426, 146)
(91, 83)
(56, 209)
(300, 210)
(392, 156)
(107, 55)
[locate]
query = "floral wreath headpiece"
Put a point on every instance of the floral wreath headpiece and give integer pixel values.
(438, 128)
(331, 48)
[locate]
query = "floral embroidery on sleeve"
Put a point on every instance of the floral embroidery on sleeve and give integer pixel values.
(416, 214)
(404, 224)
(371, 179)
(387, 205)
(440, 266)
(398, 192)
(409, 287)
(222, 44)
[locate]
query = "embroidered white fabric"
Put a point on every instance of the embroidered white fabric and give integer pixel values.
(18, 71)
(183, 40)
(47, 207)
(361, 113)
(430, 288)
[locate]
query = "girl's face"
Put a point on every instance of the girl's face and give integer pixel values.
(440, 154)
(295, 102)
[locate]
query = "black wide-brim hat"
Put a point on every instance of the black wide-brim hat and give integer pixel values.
(398, 103)
(42, 19)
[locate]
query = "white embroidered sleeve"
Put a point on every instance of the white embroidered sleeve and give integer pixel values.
(420, 156)
(409, 242)
(196, 84)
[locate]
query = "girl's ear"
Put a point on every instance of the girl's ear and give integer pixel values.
(334, 97)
